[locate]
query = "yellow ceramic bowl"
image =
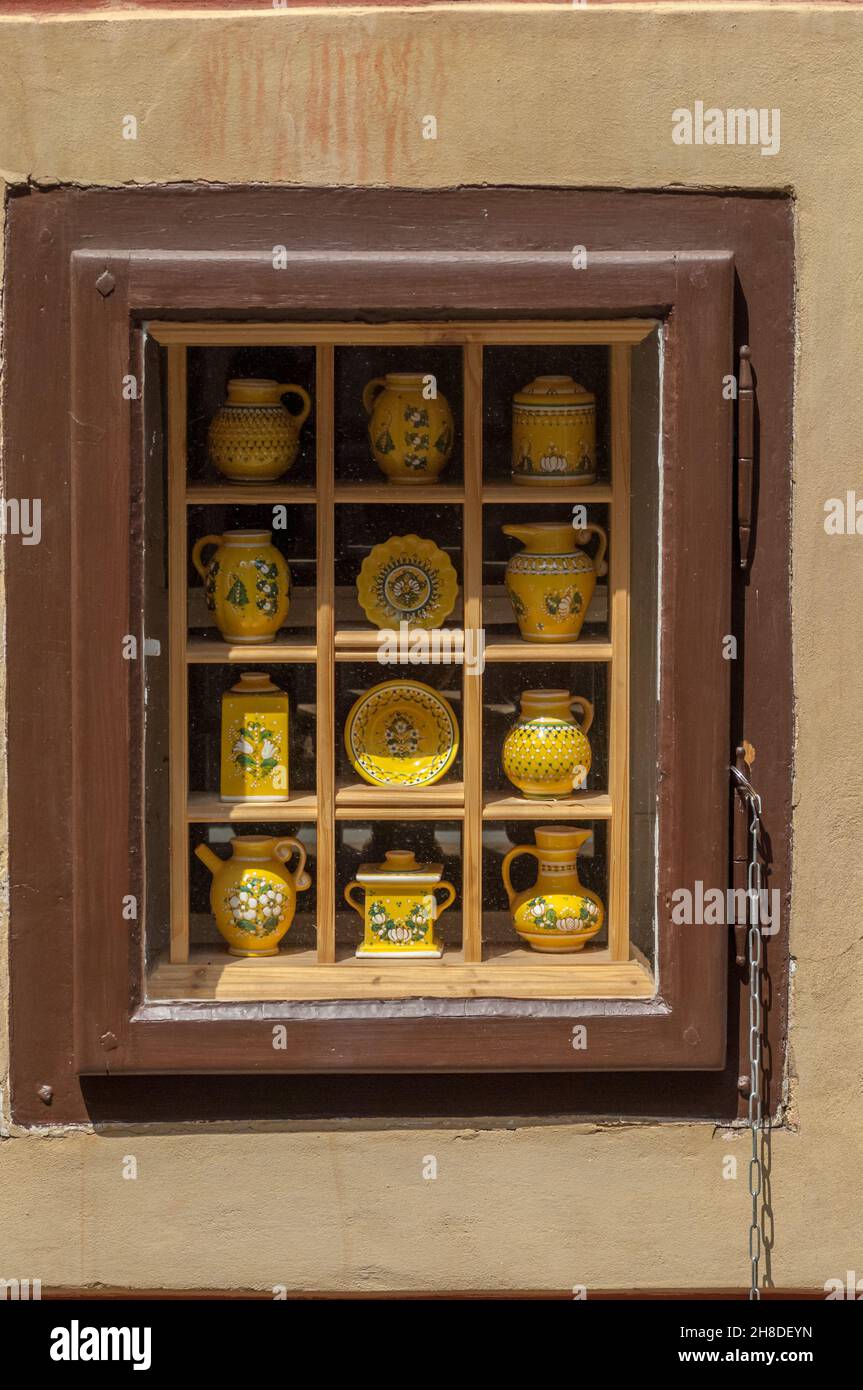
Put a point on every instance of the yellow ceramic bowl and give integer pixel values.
(407, 580)
(401, 734)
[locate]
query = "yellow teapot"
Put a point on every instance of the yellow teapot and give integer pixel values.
(253, 895)
(411, 435)
(253, 437)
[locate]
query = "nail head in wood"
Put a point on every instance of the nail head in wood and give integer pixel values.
(46, 1094)
(108, 1041)
(105, 284)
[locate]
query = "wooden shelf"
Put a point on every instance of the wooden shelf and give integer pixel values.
(547, 492)
(206, 806)
(399, 492)
(580, 806)
(403, 333)
(441, 801)
(215, 652)
(506, 972)
(360, 643)
(227, 494)
(514, 649)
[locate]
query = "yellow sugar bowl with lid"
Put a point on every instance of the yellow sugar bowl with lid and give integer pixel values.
(411, 434)
(546, 753)
(399, 908)
(557, 913)
(553, 432)
(253, 437)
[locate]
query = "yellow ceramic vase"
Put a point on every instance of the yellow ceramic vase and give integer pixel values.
(553, 432)
(399, 908)
(253, 437)
(551, 582)
(247, 584)
(411, 437)
(253, 894)
(557, 913)
(254, 763)
(546, 753)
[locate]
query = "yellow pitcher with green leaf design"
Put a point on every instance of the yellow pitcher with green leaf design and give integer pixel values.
(557, 913)
(247, 584)
(410, 432)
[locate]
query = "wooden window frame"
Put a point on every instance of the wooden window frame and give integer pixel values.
(112, 260)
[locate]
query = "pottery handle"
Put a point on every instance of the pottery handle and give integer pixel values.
(368, 401)
(302, 417)
(450, 899)
(356, 907)
(583, 536)
(507, 860)
(587, 711)
(197, 548)
(283, 850)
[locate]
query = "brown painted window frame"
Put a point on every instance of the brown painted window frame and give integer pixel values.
(87, 267)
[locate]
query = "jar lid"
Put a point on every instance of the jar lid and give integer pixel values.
(554, 390)
(255, 682)
(399, 866)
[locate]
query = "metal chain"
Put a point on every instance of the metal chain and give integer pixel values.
(754, 884)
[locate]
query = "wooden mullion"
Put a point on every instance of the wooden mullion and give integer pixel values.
(177, 667)
(618, 931)
(325, 736)
(471, 677)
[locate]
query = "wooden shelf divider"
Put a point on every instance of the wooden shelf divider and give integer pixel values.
(229, 494)
(472, 683)
(619, 771)
(325, 734)
(178, 677)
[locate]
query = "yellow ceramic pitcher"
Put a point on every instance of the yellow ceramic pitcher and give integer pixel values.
(546, 753)
(551, 582)
(253, 437)
(253, 895)
(411, 436)
(557, 913)
(247, 584)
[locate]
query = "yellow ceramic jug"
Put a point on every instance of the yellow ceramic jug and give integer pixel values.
(546, 753)
(411, 437)
(557, 913)
(247, 584)
(400, 909)
(553, 432)
(253, 895)
(254, 740)
(253, 437)
(551, 582)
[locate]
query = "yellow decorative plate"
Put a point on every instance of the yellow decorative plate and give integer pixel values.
(401, 734)
(407, 580)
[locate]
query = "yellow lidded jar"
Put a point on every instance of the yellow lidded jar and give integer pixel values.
(254, 740)
(399, 908)
(553, 432)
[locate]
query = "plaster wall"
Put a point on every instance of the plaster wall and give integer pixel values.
(567, 96)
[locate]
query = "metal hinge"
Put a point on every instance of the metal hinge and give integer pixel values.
(745, 455)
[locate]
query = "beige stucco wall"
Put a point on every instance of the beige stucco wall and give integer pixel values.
(574, 96)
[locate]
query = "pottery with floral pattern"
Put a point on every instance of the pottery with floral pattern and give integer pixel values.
(557, 913)
(247, 584)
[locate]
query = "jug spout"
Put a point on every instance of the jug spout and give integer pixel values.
(206, 856)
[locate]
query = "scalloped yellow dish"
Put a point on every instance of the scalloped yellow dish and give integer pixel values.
(407, 580)
(401, 734)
